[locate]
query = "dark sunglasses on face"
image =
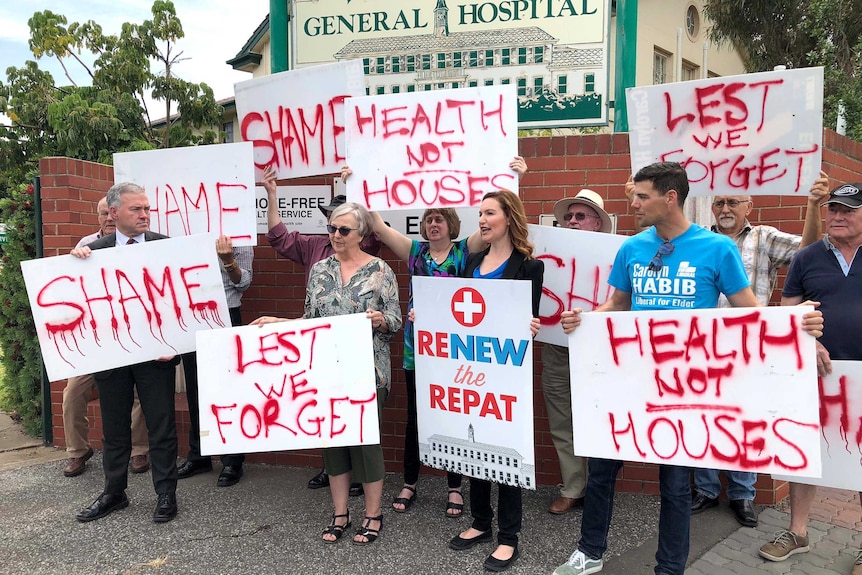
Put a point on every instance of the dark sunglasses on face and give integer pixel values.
(343, 230)
(719, 204)
(656, 263)
(579, 216)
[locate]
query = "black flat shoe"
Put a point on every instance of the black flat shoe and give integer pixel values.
(190, 468)
(459, 543)
(497, 565)
(166, 508)
(105, 504)
(230, 475)
(319, 481)
(700, 502)
(743, 510)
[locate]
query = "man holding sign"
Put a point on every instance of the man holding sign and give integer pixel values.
(672, 265)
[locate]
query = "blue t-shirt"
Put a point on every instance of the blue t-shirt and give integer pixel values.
(702, 266)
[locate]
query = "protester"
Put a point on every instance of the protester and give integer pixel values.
(509, 255)
(236, 276)
(670, 246)
(79, 389)
(764, 250)
(353, 281)
(306, 250)
(586, 211)
(827, 272)
(153, 380)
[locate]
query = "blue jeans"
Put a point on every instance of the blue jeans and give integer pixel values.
(740, 484)
(674, 518)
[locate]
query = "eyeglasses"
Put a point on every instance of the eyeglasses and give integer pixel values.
(579, 217)
(343, 230)
(732, 203)
(656, 263)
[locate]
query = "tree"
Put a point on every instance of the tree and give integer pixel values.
(797, 34)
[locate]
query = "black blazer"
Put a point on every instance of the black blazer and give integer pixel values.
(110, 240)
(517, 268)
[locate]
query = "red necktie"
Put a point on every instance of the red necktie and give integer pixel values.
(130, 242)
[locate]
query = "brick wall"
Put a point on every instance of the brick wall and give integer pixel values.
(559, 166)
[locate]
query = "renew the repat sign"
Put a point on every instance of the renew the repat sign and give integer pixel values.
(719, 389)
(474, 377)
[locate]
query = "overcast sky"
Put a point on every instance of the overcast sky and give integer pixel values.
(215, 30)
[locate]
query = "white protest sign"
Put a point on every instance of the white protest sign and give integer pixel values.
(443, 148)
(753, 134)
(841, 425)
(474, 377)
(577, 265)
(289, 385)
(196, 190)
(719, 389)
(295, 119)
(124, 305)
(298, 207)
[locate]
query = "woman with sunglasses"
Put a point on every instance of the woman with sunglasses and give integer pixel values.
(438, 256)
(509, 255)
(352, 281)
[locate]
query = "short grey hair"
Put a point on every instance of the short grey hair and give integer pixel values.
(117, 190)
(363, 216)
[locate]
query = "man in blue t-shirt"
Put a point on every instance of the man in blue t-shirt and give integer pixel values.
(671, 265)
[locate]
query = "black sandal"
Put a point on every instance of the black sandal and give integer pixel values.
(405, 501)
(365, 531)
(335, 529)
(457, 507)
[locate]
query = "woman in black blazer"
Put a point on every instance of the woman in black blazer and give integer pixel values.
(503, 225)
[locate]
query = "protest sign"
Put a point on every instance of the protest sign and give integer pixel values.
(289, 385)
(298, 207)
(753, 134)
(720, 389)
(195, 190)
(474, 377)
(841, 428)
(124, 305)
(577, 265)
(443, 148)
(295, 119)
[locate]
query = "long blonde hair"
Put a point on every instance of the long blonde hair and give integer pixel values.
(514, 210)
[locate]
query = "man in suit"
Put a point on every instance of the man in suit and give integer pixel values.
(154, 381)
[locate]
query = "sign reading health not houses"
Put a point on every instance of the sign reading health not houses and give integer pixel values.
(751, 134)
(440, 148)
(841, 424)
(720, 389)
(295, 119)
(196, 190)
(577, 265)
(474, 377)
(289, 385)
(124, 305)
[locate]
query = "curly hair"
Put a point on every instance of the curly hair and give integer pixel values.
(514, 210)
(451, 217)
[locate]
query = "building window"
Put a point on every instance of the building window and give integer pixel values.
(441, 86)
(562, 84)
(589, 83)
(660, 64)
(692, 22)
(381, 65)
(489, 58)
(505, 81)
(472, 83)
(522, 55)
(689, 71)
(396, 89)
(441, 61)
(506, 56)
(367, 91)
(396, 64)
(474, 59)
(411, 63)
(489, 82)
(455, 85)
(537, 85)
(366, 65)
(456, 59)
(426, 61)
(381, 90)
(538, 54)
(427, 87)
(411, 88)
(227, 128)
(522, 86)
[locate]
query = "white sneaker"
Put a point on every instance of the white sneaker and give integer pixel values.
(579, 564)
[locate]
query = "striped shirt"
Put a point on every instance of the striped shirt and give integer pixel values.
(243, 256)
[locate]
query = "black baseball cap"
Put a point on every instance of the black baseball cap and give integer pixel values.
(336, 201)
(849, 195)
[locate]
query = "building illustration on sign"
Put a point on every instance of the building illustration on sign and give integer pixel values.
(558, 83)
(480, 460)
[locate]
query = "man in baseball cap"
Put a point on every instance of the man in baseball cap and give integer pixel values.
(586, 211)
(849, 195)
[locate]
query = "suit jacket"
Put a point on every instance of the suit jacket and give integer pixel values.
(517, 268)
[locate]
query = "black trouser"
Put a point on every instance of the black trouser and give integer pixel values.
(509, 509)
(155, 382)
(190, 369)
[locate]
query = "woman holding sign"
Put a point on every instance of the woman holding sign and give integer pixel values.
(438, 256)
(503, 225)
(352, 281)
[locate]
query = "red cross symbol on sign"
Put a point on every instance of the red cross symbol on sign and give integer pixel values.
(468, 307)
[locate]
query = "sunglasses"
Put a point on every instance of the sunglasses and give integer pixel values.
(343, 230)
(656, 263)
(579, 217)
(732, 203)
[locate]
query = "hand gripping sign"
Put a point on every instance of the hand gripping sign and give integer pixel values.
(290, 385)
(720, 389)
(474, 377)
(124, 305)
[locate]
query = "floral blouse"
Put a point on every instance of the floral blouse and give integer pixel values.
(373, 286)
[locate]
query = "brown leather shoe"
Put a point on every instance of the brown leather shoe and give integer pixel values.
(565, 504)
(139, 464)
(75, 465)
